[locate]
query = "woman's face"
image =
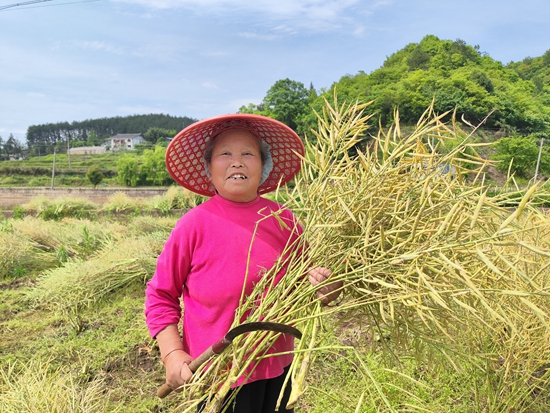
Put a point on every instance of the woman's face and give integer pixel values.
(236, 165)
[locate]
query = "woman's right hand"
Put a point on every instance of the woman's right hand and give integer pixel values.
(177, 369)
(174, 358)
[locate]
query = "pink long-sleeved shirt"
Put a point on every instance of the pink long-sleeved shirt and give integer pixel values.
(205, 261)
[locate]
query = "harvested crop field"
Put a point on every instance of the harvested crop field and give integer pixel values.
(11, 197)
(446, 304)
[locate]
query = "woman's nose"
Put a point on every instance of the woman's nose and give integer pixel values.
(236, 161)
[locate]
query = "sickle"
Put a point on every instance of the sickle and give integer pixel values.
(222, 344)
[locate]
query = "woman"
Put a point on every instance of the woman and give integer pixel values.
(210, 257)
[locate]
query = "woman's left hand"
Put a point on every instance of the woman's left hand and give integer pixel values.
(326, 293)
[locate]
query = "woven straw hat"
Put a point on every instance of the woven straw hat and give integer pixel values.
(184, 156)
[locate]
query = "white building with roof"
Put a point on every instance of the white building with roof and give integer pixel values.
(125, 141)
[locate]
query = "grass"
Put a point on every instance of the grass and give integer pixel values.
(103, 344)
(112, 352)
(36, 387)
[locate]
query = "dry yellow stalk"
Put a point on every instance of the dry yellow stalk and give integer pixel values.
(419, 248)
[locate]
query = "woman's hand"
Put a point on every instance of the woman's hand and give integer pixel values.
(175, 360)
(329, 292)
(177, 369)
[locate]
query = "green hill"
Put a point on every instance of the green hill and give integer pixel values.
(507, 104)
(454, 75)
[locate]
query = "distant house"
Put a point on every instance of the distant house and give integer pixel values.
(87, 150)
(125, 141)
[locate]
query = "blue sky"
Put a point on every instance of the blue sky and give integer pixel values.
(71, 60)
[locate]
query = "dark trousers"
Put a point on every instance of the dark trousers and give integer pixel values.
(259, 397)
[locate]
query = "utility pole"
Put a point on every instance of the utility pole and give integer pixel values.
(69, 149)
(538, 161)
(53, 168)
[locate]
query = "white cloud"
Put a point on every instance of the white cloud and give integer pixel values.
(214, 54)
(36, 95)
(254, 35)
(209, 85)
(309, 15)
(359, 31)
(97, 46)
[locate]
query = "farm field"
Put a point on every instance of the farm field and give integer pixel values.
(90, 349)
(12, 197)
(37, 171)
(445, 308)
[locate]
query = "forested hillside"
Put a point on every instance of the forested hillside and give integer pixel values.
(42, 138)
(452, 73)
(458, 76)
(511, 102)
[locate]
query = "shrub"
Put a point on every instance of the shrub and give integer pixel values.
(95, 175)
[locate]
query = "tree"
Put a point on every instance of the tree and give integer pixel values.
(287, 101)
(252, 109)
(522, 152)
(418, 59)
(154, 165)
(154, 134)
(95, 175)
(47, 135)
(92, 139)
(12, 146)
(127, 170)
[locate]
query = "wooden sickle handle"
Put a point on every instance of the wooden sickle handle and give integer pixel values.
(164, 391)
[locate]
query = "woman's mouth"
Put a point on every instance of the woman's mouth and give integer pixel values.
(237, 177)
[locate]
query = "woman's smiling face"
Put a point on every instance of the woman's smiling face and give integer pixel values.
(236, 165)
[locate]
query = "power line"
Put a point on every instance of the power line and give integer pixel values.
(27, 3)
(22, 4)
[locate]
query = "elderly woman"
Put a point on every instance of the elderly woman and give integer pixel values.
(224, 245)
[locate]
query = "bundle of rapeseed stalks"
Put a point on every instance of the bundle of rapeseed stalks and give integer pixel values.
(37, 387)
(78, 237)
(426, 254)
(58, 208)
(176, 197)
(79, 283)
(20, 255)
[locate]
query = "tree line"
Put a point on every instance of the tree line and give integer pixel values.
(42, 139)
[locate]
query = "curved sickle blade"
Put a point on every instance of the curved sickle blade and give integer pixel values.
(262, 326)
